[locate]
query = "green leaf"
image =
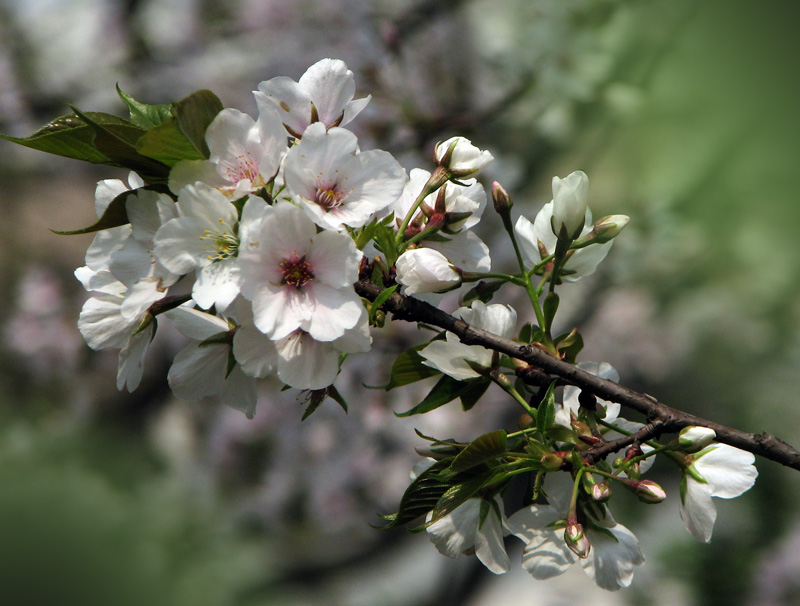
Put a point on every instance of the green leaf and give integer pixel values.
(526, 332)
(116, 138)
(67, 136)
(446, 390)
(381, 299)
(337, 397)
(408, 368)
(549, 308)
(482, 449)
(457, 495)
(483, 291)
(546, 413)
(143, 115)
(384, 242)
(419, 498)
(115, 214)
(167, 144)
(194, 113)
(572, 346)
(473, 394)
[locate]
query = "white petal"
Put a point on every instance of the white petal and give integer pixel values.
(189, 172)
(239, 392)
(334, 312)
(291, 101)
(334, 259)
(131, 359)
(729, 471)
(217, 284)
(546, 555)
(198, 371)
(448, 359)
(305, 363)
(196, 324)
(254, 352)
(102, 325)
(489, 545)
(331, 86)
(697, 510)
(455, 533)
(610, 563)
(466, 251)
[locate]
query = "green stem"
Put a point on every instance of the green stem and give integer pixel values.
(502, 380)
(532, 295)
(435, 181)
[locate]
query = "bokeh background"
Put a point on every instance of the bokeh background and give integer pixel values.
(682, 112)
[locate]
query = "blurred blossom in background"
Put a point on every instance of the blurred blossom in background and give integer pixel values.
(682, 113)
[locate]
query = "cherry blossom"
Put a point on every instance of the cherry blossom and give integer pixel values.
(338, 185)
(461, 158)
(475, 524)
(570, 200)
(324, 93)
(450, 356)
(717, 471)
(297, 278)
(245, 154)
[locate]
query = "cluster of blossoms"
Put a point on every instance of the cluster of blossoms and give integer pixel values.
(252, 236)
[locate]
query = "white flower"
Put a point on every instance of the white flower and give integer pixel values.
(338, 185)
(103, 326)
(299, 360)
(581, 263)
(204, 238)
(450, 356)
(135, 264)
(728, 472)
(298, 278)
(203, 367)
(245, 154)
(610, 561)
(461, 157)
(463, 529)
(425, 270)
(463, 204)
(325, 93)
(570, 200)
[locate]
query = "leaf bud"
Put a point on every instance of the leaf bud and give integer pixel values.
(692, 439)
(525, 421)
(551, 462)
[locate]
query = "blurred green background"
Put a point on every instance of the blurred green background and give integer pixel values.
(683, 114)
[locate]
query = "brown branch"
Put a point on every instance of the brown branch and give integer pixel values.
(665, 418)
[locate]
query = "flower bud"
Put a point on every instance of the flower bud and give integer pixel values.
(425, 270)
(692, 439)
(502, 201)
(647, 491)
(575, 538)
(600, 492)
(459, 156)
(570, 198)
(609, 228)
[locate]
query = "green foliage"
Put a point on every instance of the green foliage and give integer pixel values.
(446, 390)
(154, 139)
(546, 413)
(409, 368)
(482, 449)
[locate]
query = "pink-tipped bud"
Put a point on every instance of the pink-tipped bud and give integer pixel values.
(502, 201)
(647, 491)
(575, 538)
(600, 492)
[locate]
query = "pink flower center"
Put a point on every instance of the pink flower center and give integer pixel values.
(242, 167)
(296, 271)
(330, 195)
